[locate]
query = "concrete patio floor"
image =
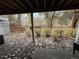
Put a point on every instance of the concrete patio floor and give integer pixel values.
(43, 53)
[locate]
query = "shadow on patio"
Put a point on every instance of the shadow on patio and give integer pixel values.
(43, 53)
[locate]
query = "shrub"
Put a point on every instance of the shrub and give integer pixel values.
(28, 32)
(69, 33)
(56, 34)
(46, 32)
(38, 32)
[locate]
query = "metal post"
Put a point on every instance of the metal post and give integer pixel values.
(32, 27)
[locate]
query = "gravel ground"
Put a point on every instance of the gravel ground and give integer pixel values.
(19, 46)
(16, 46)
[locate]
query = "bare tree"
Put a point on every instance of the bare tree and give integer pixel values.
(49, 18)
(19, 19)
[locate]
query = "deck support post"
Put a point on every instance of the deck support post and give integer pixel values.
(32, 27)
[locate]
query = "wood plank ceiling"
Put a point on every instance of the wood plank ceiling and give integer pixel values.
(28, 6)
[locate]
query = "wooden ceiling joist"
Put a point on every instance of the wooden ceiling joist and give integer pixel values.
(28, 6)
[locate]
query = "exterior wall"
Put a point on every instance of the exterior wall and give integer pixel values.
(4, 26)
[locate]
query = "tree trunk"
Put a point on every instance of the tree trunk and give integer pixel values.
(52, 19)
(75, 19)
(19, 19)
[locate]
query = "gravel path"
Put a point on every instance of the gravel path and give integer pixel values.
(16, 46)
